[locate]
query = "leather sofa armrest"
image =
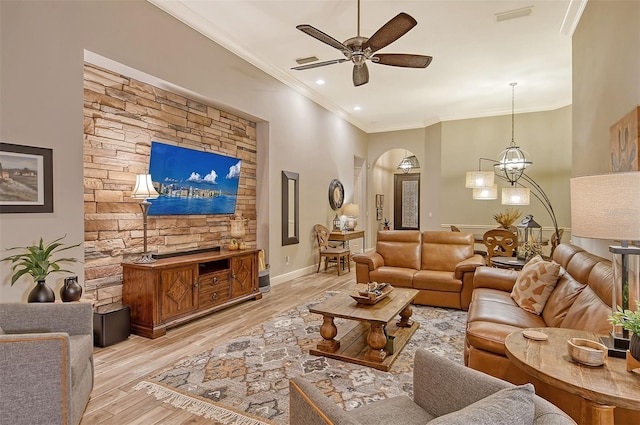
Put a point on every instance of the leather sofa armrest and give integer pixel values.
(469, 265)
(372, 259)
(493, 278)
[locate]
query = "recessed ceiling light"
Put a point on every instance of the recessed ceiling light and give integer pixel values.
(320, 82)
(356, 108)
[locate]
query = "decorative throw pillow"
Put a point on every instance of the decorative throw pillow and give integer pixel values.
(535, 283)
(510, 406)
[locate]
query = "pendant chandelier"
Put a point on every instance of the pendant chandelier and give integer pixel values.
(408, 163)
(510, 167)
(513, 160)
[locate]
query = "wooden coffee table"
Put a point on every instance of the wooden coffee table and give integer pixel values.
(364, 336)
(602, 387)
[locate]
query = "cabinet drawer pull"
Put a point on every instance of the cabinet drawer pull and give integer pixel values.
(214, 281)
(214, 296)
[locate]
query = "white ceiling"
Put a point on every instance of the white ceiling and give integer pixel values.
(474, 56)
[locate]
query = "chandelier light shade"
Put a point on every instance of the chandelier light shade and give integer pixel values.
(405, 165)
(144, 190)
(516, 196)
(607, 206)
(479, 180)
(486, 193)
(512, 163)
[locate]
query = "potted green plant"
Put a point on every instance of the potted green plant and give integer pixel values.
(38, 262)
(629, 320)
(386, 223)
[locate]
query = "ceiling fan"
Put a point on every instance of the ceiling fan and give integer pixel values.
(359, 49)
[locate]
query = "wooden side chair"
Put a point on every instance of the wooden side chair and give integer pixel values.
(330, 254)
(500, 243)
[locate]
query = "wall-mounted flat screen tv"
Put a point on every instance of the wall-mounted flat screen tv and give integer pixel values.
(192, 182)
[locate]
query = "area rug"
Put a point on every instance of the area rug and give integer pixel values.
(250, 374)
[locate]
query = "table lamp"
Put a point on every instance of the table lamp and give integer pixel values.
(607, 206)
(144, 190)
(352, 211)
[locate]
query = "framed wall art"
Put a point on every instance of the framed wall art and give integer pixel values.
(624, 141)
(26, 179)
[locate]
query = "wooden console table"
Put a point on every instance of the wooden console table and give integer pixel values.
(176, 290)
(603, 388)
(346, 236)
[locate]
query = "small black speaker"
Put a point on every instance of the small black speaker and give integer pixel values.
(111, 324)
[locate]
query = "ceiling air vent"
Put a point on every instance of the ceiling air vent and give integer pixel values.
(302, 61)
(513, 14)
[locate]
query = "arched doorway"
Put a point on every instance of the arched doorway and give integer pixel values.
(383, 187)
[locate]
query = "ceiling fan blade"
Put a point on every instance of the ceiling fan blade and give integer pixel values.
(360, 75)
(318, 64)
(319, 35)
(402, 59)
(390, 32)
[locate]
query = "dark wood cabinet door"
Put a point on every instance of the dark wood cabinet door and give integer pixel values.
(178, 291)
(243, 275)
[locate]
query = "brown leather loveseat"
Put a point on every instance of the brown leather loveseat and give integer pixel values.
(439, 264)
(581, 299)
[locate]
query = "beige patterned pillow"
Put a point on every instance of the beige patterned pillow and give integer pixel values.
(535, 283)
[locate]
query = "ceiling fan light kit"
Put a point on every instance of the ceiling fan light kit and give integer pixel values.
(360, 49)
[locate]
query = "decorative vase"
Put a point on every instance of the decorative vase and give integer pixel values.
(41, 293)
(634, 346)
(71, 290)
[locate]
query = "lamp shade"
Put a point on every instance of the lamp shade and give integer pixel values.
(486, 193)
(351, 210)
(479, 179)
(606, 206)
(516, 196)
(144, 188)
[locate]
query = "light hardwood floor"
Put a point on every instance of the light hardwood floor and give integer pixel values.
(120, 367)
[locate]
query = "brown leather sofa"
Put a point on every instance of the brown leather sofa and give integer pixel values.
(581, 300)
(439, 264)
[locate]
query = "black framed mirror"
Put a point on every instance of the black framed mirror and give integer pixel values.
(290, 208)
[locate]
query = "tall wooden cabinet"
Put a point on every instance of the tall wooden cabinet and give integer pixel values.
(179, 289)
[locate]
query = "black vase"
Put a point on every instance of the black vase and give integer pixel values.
(41, 293)
(71, 290)
(634, 346)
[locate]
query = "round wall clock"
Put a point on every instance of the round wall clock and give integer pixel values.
(336, 194)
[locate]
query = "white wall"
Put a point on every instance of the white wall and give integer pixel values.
(42, 49)
(545, 136)
(606, 86)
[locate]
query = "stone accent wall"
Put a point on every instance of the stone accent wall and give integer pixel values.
(122, 116)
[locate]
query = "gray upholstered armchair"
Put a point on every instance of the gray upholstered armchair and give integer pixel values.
(46, 362)
(444, 392)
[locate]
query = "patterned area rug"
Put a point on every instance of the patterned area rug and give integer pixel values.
(251, 373)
